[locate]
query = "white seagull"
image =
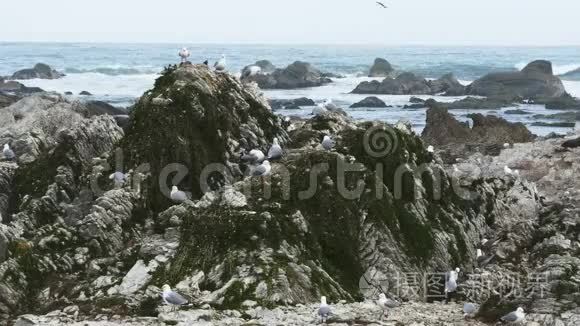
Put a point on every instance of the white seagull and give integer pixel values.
(327, 143)
(8, 153)
(275, 151)
(324, 310)
(173, 298)
(119, 178)
(509, 171)
(431, 149)
(386, 304)
(177, 195)
(469, 310)
(220, 65)
(262, 169)
(184, 54)
(330, 106)
(514, 317)
(319, 109)
(255, 156)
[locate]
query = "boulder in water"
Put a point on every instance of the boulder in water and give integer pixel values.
(40, 70)
(381, 68)
(370, 102)
(535, 80)
(297, 75)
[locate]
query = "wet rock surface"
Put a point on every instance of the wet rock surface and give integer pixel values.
(79, 248)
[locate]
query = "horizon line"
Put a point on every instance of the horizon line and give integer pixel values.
(3, 42)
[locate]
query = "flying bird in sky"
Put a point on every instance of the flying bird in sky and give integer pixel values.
(381, 4)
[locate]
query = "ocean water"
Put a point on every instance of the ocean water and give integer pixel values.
(120, 73)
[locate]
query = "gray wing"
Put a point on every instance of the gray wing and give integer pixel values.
(176, 299)
(468, 308)
(275, 152)
(324, 311)
(259, 170)
(451, 285)
(180, 196)
(392, 303)
(9, 154)
(511, 317)
(328, 144)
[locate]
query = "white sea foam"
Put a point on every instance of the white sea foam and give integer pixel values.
(558, 69)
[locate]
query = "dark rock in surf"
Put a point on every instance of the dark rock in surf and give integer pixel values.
(370, 102)
(381, 68)
(40, 70)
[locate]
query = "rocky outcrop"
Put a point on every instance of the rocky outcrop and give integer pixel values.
(457, 140)
(473, 103)
(407, 83)
(564, 102)
(535, 80)
(207, 117)
(40, 70)
(297, 75)
(370, 102)
(381, 68)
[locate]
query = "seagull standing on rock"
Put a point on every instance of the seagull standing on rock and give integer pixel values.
(514, 317)
(324, 310)
(330, 106)
(118, 178)
(431, 149)
(451, 283)
(184, 54)
(8, 153)
(220, 65)
(319, 109)
(327, 143)
(262, 170)
(386, 304)
(173, 298)
(255, 156)
(177, 195)
(469, 310)
(275, 152)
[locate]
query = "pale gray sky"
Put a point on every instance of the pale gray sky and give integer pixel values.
(426, 22)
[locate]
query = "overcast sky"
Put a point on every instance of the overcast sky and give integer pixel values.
(417, 22)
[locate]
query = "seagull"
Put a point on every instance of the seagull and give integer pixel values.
(8, 153)
(319, 109)
(469, 310)
(275, 151)
(327, 143)
(431, 149)
(381, 4)
(385, 304)
(251, 71)
(255, 156)
(173, 298)
(509, 171)
(330, 106)
(262, 169)
(324, 310)
(514, 317)
(451, 282)
(184, 54)
(506, 145)
(220, 65)
(119, 178)
(177, 195)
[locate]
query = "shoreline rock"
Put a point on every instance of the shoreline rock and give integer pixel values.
(297, 75)
(381, 68)
(409, 84)
(370, 102)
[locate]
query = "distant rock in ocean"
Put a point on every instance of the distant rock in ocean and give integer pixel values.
(85, 93)
(408, 83)
(294, 104)
(40, 70)
(297, 75)
(535, 80)
(381, 68)
(571, 75)
(370, 102)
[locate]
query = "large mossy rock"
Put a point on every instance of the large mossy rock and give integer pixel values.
(194, 117)
(271, 241)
